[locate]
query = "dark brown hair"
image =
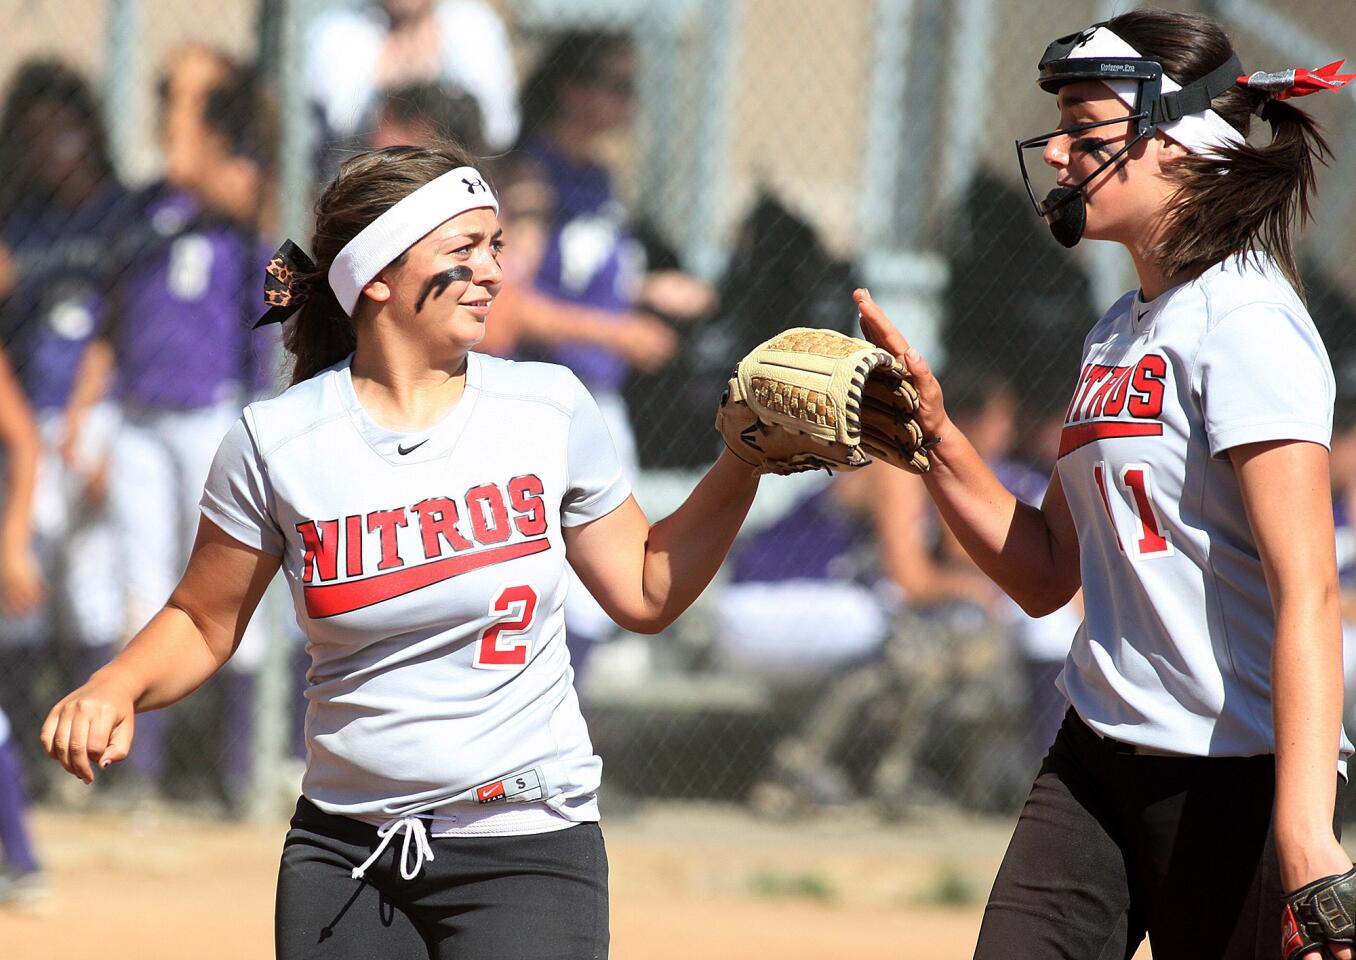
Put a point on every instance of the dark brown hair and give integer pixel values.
(575, 57)
(1243, 200)
(46, 86)
(366, 186)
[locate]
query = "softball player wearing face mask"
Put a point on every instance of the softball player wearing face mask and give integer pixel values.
(1190, 502)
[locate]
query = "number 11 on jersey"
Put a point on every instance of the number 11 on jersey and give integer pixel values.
(1136, 479)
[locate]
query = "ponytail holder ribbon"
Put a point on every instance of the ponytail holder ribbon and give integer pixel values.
(1297, 82)
(287, 283)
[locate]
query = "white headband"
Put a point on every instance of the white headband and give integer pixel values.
(1203, 132)
(400, 227)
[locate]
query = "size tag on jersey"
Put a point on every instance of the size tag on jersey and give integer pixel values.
(521, 787)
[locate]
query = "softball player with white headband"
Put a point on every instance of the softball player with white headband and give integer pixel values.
(422, 500)
(1196, 775)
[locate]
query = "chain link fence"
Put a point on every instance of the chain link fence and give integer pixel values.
(765, 157)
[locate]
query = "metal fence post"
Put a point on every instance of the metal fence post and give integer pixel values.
(722, 24)
(281, 24)
(904, 279)
(121, 78)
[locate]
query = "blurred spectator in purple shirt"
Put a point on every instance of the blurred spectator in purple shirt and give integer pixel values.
(576, 279)
(60, 201)
(179, 338)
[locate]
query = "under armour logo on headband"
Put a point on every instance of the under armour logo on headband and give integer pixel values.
(473, 185)
(1284, 84)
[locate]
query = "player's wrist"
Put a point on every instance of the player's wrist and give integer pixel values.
(1304, 832)
(736, 466)
(114, 681)
(935, 436)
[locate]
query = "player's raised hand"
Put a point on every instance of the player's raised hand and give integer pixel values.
(877, 328)
(91, 726)
(21, 584)
(645, 342)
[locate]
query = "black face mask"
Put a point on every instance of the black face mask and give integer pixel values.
(1064, 209)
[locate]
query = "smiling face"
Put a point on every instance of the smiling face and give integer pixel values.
(441, 291)
(1130, 194)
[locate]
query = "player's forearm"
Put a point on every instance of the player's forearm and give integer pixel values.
(686, 548)
(1307, 711)
(16, 520)
(1007, 539)
(165, 662)
(91, 379)
(548, 320)
(22, 445)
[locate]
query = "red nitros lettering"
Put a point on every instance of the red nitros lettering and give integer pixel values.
(1084, 383)
(1104, 391)
(440, 519)
(1148, 381)
(1115, 403)
(489, 515)
(1099, 396)
(438, 525)
(385, 523)
(320, 540)
(353, 543)
(525, 494)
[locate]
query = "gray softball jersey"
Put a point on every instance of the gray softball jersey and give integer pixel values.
(428, 573)
(1174, 653)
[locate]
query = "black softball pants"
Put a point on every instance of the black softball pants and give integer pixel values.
(1114, 845)
(536, 897)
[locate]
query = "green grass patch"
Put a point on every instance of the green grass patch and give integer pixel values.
(950, 888)
(803, 886)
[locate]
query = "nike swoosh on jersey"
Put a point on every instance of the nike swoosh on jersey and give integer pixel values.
(332, 599)
(1082, 434)
(402, 450)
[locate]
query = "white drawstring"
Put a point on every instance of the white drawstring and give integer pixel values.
(414, 828)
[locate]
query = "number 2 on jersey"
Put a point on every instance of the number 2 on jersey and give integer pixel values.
(520, 603)
(1137, 480)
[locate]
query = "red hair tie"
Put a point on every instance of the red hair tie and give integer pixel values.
(1298, 82)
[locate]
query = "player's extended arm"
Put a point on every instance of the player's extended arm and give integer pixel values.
(22, 579)
(1286, 493)
(184, 644)
(1031, 553)
(645, 576)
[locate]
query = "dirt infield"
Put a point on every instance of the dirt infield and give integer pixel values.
(706, 882)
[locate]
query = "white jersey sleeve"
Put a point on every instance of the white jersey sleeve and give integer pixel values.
(1263, 374)
(237, 498)
(597, 483)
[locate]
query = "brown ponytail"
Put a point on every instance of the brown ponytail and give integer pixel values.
(1246, 199)
(321, 334)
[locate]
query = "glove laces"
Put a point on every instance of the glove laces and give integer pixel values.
(414, 831)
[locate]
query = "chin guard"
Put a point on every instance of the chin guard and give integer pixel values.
(1066, 215)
